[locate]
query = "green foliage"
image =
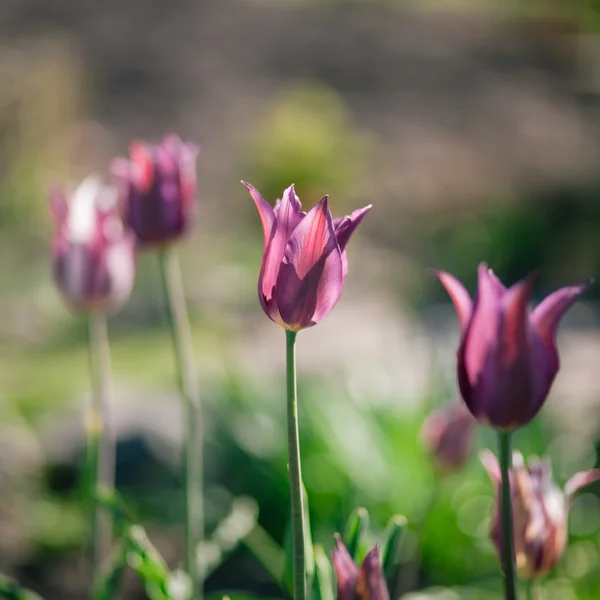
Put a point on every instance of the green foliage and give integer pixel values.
(308, 139)
(394, 538)
(355, 534)
(323, 581)
(10, 590)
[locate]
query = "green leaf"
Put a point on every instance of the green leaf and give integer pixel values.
(355, 534)
(323, 581)
(391, 555)
(10, 590)
(107, 585)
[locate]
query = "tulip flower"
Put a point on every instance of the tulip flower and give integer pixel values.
(447, 434)
(304, 262)
(354, 583)
(507, 358)
(93, 254)
(540, 511)
(157, 190)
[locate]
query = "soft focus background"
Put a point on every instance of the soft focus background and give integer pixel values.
(473, 126)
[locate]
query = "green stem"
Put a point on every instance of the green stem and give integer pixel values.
(188, 384)
(100, 438)
(298, 525)
(508, 552)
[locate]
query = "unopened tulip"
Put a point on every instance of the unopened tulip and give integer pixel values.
(540, 512)
(358, 583)
(304, 262)
(507, 358)
(93, 253)
(447, 434)
(157, 190)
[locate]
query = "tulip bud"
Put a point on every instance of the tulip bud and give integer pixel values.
(93, 254)
(304, 262)
(157, 190)
(540, 512)
(354, 583)
(507, 357)
(447, 434)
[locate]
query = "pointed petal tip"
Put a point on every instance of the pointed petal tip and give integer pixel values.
(581, 480)
(458, 294)
(491, 465)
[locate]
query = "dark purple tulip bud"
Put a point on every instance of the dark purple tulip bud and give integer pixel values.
(157, 190)
(507, 358)
(447, 434)
(304, 262)
(93, 254)
(540, 512)
(354, 583)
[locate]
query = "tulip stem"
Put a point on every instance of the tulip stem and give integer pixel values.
(508, 551)
(100, 438)
(188, 383)
(297, 500)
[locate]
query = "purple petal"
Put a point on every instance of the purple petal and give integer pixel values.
(287, 219)
(479, 350)
(311, 278)
(581, 480)
(346, 571)
(289, 195)
(345, 227)
(371, 578)
(459, 296)
(267, 216)
(547, 315)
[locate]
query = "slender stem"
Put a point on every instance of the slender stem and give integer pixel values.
(188, 383)
(297, 500)
(508, 551)
(100, 437)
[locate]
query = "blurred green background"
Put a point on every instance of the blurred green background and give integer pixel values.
(473, 126)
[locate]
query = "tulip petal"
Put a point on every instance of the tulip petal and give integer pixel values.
(459, 296)
(370, 578)
(141, 157)
(581, 480)
(267, 216)
(287, 218)
(345, 227)
(547, 315)
(310, 280)
(346, 571)
(491, 465)
(479, 350)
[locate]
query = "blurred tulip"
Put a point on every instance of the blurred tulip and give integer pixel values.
(157, 190)
(304, 262)
(354, 583)
(447, 434)
(540, 512)
(507, 358)
(93, 253)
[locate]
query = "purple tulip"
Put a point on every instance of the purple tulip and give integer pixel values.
(507, 358)
(540, 512)
(304, 262)
(447, 434)
(354, 583)
(93, 253)
(157, 189)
